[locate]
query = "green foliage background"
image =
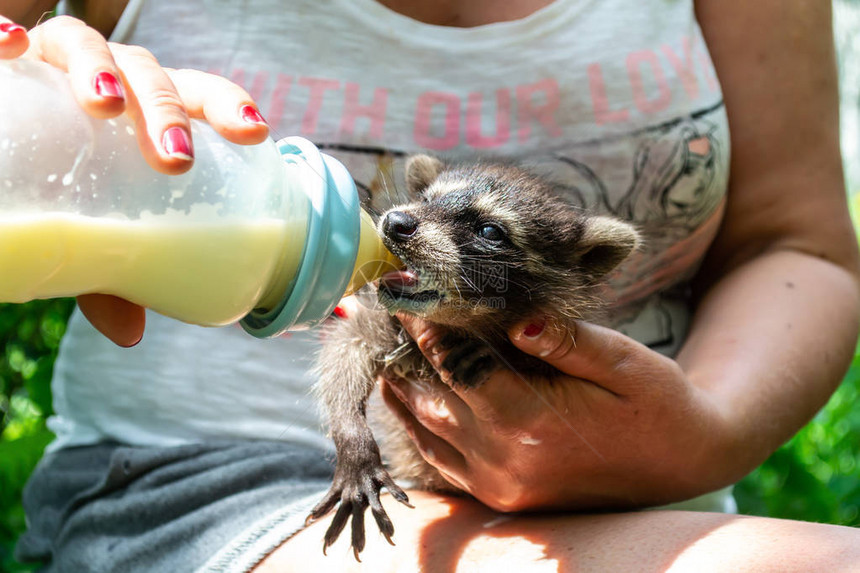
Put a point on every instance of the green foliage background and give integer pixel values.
(29, 337)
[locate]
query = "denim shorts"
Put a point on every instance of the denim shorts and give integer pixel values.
(213, 507)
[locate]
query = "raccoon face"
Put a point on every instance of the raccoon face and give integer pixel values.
(491, 240)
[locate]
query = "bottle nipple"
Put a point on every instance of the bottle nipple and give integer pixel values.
(373, 259)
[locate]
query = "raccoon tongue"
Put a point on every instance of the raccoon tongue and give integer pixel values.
(399, 280)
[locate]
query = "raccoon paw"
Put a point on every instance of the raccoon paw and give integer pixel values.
(355, 493)
(470, 362)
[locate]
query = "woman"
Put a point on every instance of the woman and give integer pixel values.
(620, 104)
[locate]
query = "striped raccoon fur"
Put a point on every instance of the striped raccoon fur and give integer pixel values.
(485, 247)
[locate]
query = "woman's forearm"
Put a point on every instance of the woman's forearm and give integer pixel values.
(769, 343)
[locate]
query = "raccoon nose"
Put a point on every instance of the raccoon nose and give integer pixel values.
(399, 225)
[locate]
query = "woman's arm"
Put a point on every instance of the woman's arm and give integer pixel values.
(771, 338)
(777, 325)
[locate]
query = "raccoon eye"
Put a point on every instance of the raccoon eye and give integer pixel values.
(491, 233)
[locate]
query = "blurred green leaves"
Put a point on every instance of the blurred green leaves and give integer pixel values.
(29, 338)
(816, 475)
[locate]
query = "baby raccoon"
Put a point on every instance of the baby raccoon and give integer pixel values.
(484, 246)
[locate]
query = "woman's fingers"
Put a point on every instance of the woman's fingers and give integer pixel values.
(162, 101)
(108, 78)
(13, 39)
(161, 122)
(595, 353)
(439, 409)
(225, 106)
(433, 448)
(119, 320)
(498, 398)
(74, 47)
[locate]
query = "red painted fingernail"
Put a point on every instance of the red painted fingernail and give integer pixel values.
(107, 86)
(533, 330)
(177, 143)
(10, 28)
(250, 114)
(339, 312)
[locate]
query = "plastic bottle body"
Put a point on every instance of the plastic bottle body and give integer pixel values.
(82, 212)
(266, 232)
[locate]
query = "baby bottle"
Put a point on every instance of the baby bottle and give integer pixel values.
(269, 234)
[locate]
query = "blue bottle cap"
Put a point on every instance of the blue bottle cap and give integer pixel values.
(330, 249)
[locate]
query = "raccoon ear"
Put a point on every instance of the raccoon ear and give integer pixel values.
(604, 244)
(421, 171)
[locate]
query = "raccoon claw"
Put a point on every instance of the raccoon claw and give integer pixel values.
(470, 362)
(324, 506)
(355, 498)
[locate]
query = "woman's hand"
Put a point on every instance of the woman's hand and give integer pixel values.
(109, 79)
(622, 427)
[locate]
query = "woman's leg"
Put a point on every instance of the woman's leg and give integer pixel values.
(445, 534)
